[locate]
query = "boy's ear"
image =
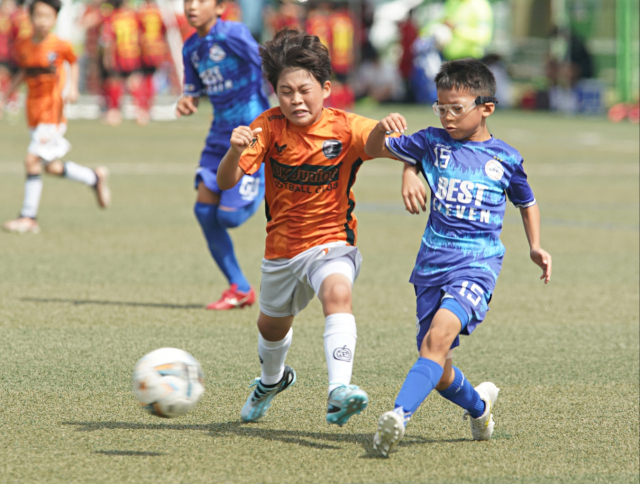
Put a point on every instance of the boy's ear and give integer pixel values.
(488, 109)
(326, 89)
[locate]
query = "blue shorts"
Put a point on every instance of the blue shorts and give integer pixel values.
(250, 189)
(470, 303)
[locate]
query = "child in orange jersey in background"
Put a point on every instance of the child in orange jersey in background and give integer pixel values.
(154, 52)
(40, 58)
(311, 156)
(121, 60)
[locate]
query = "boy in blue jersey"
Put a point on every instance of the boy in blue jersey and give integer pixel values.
(221, 61)
(470, 174)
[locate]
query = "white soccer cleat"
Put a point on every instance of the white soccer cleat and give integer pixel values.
(22, 225)
(390, 432)
(482, 427)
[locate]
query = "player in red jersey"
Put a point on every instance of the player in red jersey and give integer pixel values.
(121, 58)
(154, 52)
(91, 22)
(7, 68)
(342, 40)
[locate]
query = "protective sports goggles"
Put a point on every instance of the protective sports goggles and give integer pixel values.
(459, 109)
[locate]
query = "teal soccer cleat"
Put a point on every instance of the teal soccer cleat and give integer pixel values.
(260, 399)
(344, 402)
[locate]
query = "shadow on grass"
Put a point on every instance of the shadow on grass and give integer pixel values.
(134, 453)
(316, 440)
(114, 303)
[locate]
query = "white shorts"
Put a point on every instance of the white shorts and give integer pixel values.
(48, 142)
(288, 285)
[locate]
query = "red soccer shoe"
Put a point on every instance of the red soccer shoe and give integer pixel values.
(232, 299)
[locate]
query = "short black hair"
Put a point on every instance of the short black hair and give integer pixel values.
(466, 75)
(292, 49)
(55, 4)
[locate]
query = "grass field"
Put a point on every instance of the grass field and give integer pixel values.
(87, 297)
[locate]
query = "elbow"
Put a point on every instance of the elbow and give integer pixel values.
(223, 184)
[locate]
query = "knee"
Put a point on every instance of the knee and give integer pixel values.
(439, 338)
(54, 168)
(337, 294)
(205, 213)
(230, 219)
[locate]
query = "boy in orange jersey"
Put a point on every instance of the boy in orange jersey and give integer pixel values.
(311, 156)
(121, 59)
(154, 52)
(40, 58)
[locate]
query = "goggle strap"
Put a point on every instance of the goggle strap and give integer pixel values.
(486, 99)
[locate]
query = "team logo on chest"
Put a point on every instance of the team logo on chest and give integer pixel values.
(51, 57)
(494, 169)
(216, 53)
(332, 148)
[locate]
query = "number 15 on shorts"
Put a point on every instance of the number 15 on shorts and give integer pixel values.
(473, 290)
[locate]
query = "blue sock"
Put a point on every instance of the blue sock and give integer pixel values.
(463, 394)
(220, 245)
(422, 378)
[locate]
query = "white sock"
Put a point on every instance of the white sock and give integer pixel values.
(339, 348)
(79, 173)
(32, 192)
(272, 355)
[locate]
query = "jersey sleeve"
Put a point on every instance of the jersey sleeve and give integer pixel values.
(254, 155)
(192, 83)
(242, 44)
(519, 191)
(361, 128)
(67, 53)
(410, 148)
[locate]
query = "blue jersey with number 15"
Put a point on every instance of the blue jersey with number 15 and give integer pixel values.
(470, 182)
(225, 65)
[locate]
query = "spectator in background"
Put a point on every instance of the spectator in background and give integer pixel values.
(408, 35)
(504, 91)
(378, 80)
(464, 30)
(342, 58)
(288, 14)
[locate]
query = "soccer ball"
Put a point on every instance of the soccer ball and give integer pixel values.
(168, 382)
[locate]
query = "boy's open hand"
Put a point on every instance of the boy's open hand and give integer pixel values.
(242, 137)
(394, 123)
(413, 191)
(543, 259)
(71, 95)
(185, 106)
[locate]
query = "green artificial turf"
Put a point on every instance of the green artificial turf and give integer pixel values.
(83, 300)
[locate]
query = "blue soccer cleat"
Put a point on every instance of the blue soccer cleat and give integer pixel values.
(344, 402)
(260, 399)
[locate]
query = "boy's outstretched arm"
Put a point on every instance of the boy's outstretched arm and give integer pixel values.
(531, 221)
(72, 94)
(229, 171)
(375, 146)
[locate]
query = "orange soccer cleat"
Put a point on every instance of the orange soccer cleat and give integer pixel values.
(232, 299)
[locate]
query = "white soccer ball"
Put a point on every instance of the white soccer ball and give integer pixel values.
(168, 382)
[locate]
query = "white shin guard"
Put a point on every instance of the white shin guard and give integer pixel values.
(339, 348)
(272, 356)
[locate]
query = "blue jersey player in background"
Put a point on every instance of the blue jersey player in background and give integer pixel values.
(470, 174)
(221, 61)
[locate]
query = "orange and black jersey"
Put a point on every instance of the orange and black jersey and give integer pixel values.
(309, 172)
(45, 77)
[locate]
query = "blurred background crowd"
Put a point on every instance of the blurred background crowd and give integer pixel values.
(572, 56)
